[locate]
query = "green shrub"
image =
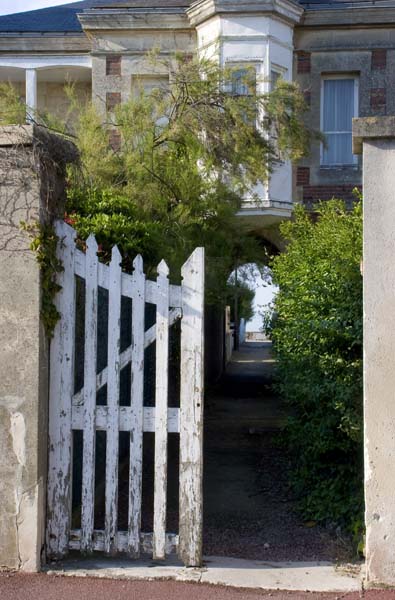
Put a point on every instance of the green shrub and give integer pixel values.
(317, 335)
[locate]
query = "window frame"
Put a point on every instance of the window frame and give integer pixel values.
(280, 71)
(337, 76)
(246, 65)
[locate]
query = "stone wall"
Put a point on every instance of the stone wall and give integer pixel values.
(332, 47)
(32, 169)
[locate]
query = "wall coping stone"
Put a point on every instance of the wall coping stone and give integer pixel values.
(61, 150)
(371, 128)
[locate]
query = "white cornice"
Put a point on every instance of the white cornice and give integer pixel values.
(126, 19)
(263, 38)
(372, 16)
(287, 10)
(45, 61)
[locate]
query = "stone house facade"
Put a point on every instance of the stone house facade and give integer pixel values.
(341, 52)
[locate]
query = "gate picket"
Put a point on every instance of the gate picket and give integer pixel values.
(137, 401)
(191, 413)
(90, 361)
(78, 411)
(114, 345)
(162, 362)
(61, 391)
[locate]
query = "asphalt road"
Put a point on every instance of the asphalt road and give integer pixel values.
(49, 587)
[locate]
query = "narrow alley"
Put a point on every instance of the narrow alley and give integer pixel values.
(249, 509)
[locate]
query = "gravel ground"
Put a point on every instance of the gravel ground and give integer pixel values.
(249, 509)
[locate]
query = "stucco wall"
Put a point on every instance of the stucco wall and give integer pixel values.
(31, 188)
(377, 139)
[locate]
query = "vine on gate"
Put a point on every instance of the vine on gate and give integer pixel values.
(44, 244)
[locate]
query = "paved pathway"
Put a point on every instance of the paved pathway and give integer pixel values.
(249, 510)
(45, 587)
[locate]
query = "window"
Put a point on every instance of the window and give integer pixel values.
(243, 80)
(339, 104)
(149, 83)
(274, 77)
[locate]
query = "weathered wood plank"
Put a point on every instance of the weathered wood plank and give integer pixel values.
(89, 435)
(161, 393)
(137, 410)
(126, 356)
(61, 388)
(146, 541)
(112, 452)
(126, 417)
(191, 410)
(128, 290)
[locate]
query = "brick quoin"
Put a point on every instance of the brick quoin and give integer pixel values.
(303, 62)
(113, 65)
(302, 175)
(114, 138)
(379, 59)
(113, 99)
(378, 98)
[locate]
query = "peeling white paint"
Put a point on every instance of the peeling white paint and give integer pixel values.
(29, 529)
(18, 434)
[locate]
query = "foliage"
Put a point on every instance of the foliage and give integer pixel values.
(12, 108)
(189, 153)
(44, 244)
(317, 335)
(245, 298)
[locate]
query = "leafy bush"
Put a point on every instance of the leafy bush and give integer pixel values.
(162, 187)
(245, 299)
(12, 109)
(317, 335)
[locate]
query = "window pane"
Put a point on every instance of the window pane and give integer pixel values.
(274, 77)
(242, 81)
(338, 111)
(338, 150)
(338, 104)
(345, 104)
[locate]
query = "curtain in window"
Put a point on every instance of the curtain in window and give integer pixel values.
(338, 111)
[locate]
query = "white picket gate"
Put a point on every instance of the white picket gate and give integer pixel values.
(70, 411)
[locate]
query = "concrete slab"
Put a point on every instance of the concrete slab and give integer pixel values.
(290, 576)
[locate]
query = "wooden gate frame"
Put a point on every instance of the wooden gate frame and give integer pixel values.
(69, 411)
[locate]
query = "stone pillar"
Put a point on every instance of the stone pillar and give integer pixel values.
(375, 137)
(31, 94)
(32, 174)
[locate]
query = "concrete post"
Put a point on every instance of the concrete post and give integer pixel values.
(375, 137)
(32, 170)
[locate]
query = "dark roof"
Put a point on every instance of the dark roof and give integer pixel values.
(341, 4)
(63, 19)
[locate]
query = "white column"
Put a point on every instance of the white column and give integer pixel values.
(31, 94)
